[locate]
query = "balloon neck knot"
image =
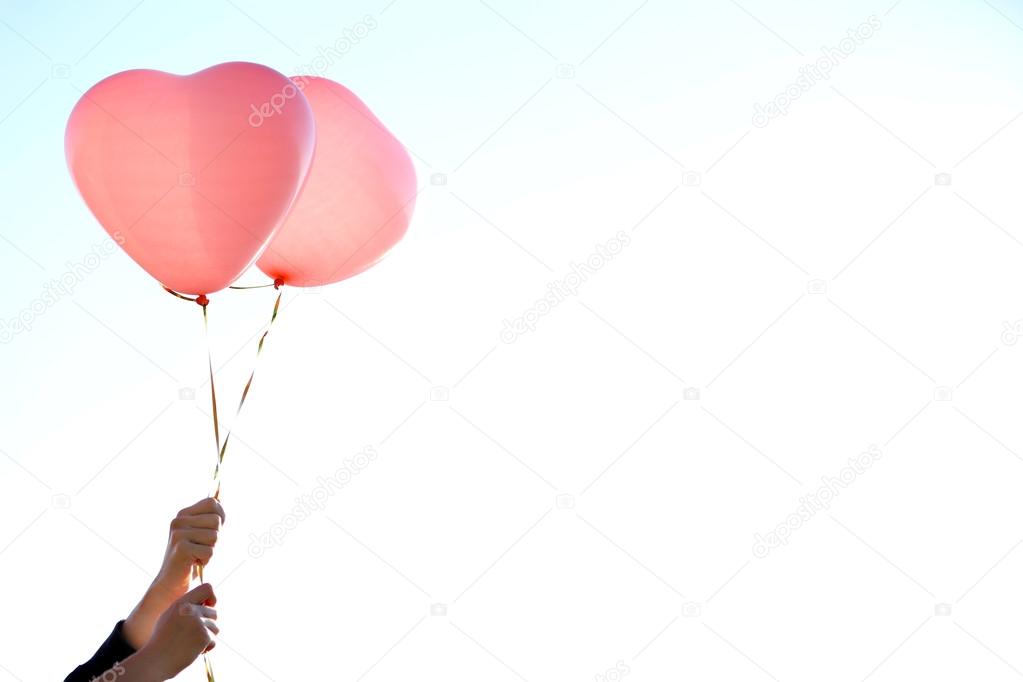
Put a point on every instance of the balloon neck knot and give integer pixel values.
(202, 300)
(278, 283)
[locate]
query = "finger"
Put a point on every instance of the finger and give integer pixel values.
(200, 507)
(211, 626)
(203, 594)
(199, 536)
(205, 506)
(206, 612)
(209, 647)
(200, 554)
(211, 521)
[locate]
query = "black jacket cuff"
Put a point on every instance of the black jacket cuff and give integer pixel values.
(113, 651)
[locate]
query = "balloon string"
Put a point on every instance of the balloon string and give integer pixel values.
(213, 397)
(204, 302)
(216, 436)
(193, 299)
(245, 392)
(276, 284)
(221, 448)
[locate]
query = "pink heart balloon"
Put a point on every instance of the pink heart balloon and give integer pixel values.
(192, 175)
(357, 202)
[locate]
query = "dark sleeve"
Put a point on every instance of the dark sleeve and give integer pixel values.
(111, 653)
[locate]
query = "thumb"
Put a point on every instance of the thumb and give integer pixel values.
(203, 594)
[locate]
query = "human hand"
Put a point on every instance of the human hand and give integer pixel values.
(193, 534)
(180, 634)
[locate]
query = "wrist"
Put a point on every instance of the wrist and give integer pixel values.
(163, 592)
(145, 665)
(138, 626)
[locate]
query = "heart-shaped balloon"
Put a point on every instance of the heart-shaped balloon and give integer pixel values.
(192, 175)
(357, 201)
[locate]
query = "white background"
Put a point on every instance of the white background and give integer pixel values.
(812, 282)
